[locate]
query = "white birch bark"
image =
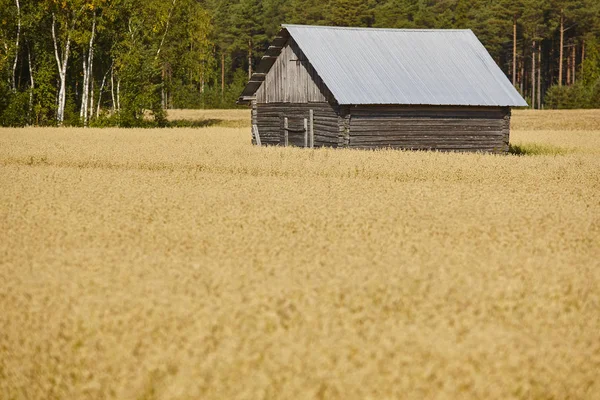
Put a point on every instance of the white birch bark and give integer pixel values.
(90, 113)
(31, 83)
(14, 67)
(112, 88)
(166, 29)
(87, 78)
(90, 79)
(100, 94)
(83, 91)
(61, 63)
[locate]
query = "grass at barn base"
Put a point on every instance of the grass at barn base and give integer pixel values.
(187, 264)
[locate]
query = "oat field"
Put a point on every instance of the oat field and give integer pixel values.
(188, 264)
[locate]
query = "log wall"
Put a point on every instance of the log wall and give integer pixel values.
(270, 117)
(428, 128)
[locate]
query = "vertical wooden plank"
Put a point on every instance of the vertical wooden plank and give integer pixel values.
(256, 135)
(285, 132)
(311, 131)
(305, 132)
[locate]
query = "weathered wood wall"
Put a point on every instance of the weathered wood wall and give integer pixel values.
(292, 79)
(269, 119)
(421, 128)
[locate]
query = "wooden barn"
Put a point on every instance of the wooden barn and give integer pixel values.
(369, 88)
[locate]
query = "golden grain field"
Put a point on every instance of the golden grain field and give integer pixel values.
(188, 264)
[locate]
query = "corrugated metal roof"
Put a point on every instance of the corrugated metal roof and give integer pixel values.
(405, 66)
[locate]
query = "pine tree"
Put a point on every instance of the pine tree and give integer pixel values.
(350, 13)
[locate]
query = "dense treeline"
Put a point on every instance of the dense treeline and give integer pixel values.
(98, 62)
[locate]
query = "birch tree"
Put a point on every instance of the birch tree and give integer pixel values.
(65, 19)
(17, 43)
(88, 63)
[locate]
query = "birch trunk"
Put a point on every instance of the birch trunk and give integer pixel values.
(90, 113)
(86, 110)
(202, 78)
(84, 91)
(100, 94)
(62, 72)
(14, 67)
(118, 95)
(162, 41)
(31, 83)
(112, 88)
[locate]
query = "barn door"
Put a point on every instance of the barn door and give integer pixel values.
(298, 131)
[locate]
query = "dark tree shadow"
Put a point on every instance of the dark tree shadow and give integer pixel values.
(536, 149)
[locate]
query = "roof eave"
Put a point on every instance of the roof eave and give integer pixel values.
(266, 62)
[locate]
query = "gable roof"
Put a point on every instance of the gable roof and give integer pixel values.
(398, 66)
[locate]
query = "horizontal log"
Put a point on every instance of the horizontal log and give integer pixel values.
(427, 147)
(429, 121)
(326, 119)
(402, 126)
(422, 131)
(320, 110)
(429, 139)
(326, 138)
(316, 104)
(408, 114)
(332, 128)
(302, 114)
(428, 144)
(387, 108)
(440, 134)
(407, 132)
(326, 134)
(423, 107)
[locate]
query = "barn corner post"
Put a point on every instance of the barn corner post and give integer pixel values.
(506, 131)
(254, 123)
(305, 133)
(286, 136)
(311, 129)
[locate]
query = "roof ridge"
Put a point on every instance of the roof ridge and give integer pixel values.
(375, 29)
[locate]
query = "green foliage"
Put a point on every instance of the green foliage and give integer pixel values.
(578, 95)
(44, 93)
(15, 111)
(350, 13)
